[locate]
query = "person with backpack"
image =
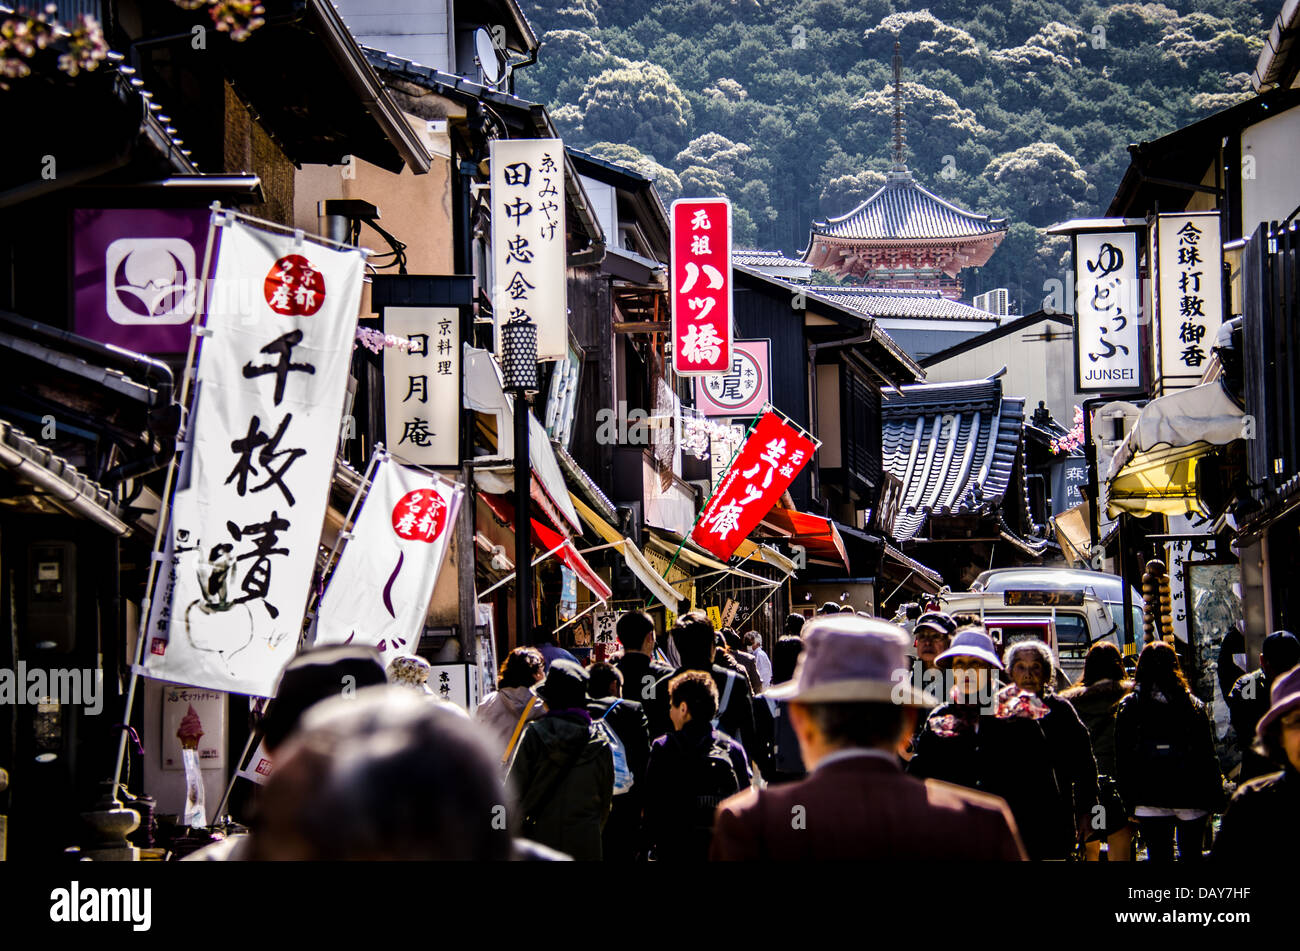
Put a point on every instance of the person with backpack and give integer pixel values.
(694, 638)
(563, 769)
(1165, 759)
(623, 724)
(690, 772)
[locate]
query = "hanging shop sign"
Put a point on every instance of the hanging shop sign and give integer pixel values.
(422, 385)
(701, 286)
(1107, 337)
(528, 240)
(744, 389)
(767, 463)
(135, 275)
(1189, 295)
(254, 481)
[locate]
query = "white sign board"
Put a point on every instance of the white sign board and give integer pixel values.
(528, 240)
(253, 485)
(1189, 305)
(1107, 337)
(422, 385)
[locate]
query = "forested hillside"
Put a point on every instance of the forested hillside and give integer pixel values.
(1021, 109)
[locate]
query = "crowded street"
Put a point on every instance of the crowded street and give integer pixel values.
(681, 432)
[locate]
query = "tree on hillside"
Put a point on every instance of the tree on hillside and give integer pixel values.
(638, 104)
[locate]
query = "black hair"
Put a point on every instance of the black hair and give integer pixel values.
(694, 636)
(697, 690)
(1103, 662)
(794, 623)
(602, 678)
(784, 657)
(632, 629)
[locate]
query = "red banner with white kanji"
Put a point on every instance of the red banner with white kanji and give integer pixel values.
(701, 286)
(767, 463)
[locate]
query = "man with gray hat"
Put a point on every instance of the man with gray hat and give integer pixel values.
(852, 707)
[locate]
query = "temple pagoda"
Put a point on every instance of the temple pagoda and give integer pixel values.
(904, 236)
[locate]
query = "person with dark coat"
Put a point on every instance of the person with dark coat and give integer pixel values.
(1232, 663)
(636, 632)
(1166, 763)
(787, 761)
(1003, 743)
(1052, 819)
(1249, 699)
(852, 714)
(948, 747)
(1096, 698)
(1261, 819)
(690, 772)
(620, 841)
(748, 662)
(563, 769)
(694, 637)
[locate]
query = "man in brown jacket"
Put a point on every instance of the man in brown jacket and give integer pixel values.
(852, 707)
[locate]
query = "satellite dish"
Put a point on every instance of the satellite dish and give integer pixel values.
(488, 57)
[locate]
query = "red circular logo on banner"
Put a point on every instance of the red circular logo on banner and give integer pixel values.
(420, 516)
(294, 287)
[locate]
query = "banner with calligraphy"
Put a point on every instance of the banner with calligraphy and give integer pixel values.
(1189, 295)
(528, 252)
(379, 592)
(422, 385)
(701, 286)
(254, 482)
(767, 463)
(1107, 332)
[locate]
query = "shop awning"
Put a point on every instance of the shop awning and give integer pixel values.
(563, 548)
(818, 536)
(549, 542)
(1155, 468)
(687, 552)
(632, 557)
(748, 549)
(917, 575)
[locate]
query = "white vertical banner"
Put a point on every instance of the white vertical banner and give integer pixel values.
(253, 483)
(379, 593)
(1189, 302)
(1107, 339)
(422, 385)
(528, 240)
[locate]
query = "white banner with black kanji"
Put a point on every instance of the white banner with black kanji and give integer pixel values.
(379, 593)
(253, 485)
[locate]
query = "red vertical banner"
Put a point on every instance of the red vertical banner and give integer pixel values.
(701, 286)
(767, 463)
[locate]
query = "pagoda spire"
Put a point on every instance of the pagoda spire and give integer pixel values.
(899, 171)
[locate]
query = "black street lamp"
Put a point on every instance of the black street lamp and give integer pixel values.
(519, 372)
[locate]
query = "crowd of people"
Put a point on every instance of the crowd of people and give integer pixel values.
(854, 739)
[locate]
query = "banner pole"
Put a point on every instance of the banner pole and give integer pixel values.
(367, 480)
(165, 500)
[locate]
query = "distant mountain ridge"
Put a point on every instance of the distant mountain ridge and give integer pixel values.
(1019, 109)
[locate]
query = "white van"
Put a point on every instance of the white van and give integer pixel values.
(1070, 609)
